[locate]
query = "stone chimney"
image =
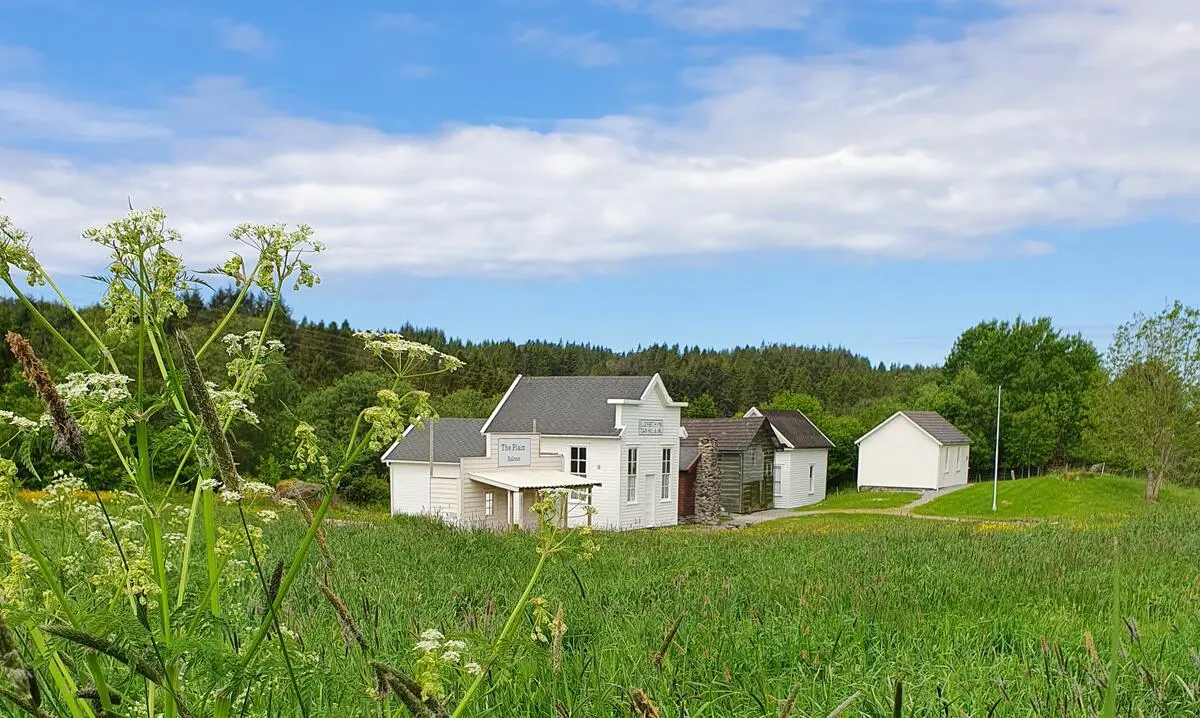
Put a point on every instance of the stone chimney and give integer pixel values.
(708, 484)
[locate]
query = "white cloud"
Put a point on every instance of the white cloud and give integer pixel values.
(584, 50)
(1067, 113)
(244, 38)
(27, 114)
(723, 15)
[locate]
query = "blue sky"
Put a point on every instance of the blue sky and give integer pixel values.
(877, 174)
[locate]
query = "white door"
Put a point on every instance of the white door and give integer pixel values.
(648, 497)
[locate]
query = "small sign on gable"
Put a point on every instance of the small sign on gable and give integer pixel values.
(514, 452)
(650, 427)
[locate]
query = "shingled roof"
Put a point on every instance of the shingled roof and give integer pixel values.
(565, 405)
(452, 440)
(938, 427)
(797, 428)
(731, 435)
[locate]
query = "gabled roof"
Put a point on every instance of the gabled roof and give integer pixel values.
(452, 440)
(565, 405)
(734, 435)
(795, 428)
(931, 423)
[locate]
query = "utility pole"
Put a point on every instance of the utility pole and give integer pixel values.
(996, 471)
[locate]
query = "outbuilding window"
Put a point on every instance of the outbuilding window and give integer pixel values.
(579, 460)
(778, 480)
(812, 479)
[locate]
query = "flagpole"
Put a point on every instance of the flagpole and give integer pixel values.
(996, 472)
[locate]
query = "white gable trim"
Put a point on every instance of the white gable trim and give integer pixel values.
(754, 411)
(814, 425)
(657, 382)
(503, 399)
(779, 435)
(889, 420)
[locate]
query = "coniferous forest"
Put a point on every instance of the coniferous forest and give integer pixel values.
(1055, 384)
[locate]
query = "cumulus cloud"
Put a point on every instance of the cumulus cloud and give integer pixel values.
(244, 38)
(584, 50)
(1064, 113)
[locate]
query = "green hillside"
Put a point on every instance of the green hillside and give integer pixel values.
(1074, 496)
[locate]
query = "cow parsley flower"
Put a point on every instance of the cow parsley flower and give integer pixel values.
(399, 352)
(15, 252)
(19, 422)
(99, 402)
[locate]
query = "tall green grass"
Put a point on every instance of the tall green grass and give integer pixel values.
(967, 617)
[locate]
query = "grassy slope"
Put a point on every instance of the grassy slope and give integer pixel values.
(864, 500)
(1055, 497)
(939, 605)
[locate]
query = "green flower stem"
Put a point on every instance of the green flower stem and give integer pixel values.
(232, 310)
(51, 579)
(58, 673)
(86, 327)
(509, 625)
(187, 545)
(210, 551)
(288, 579)
(46, 324)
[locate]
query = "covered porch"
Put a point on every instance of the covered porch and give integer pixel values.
(523, 486)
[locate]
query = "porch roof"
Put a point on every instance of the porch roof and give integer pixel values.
(517, 479)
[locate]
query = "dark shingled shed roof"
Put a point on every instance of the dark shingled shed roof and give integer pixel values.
(452, 440)
(797, 429)
(938, 427)
(733, 435)
(566, 405)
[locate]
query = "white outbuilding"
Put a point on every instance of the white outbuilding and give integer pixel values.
(802, 462)
(913, 450)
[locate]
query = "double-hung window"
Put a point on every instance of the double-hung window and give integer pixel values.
(489, 504)
(631, 475)
(812, 479)
(778, 480)
(579, 460)
(665, 487)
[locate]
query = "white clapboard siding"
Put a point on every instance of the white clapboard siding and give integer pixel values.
(953, 464)
(650, 509)
(799, 489)
(899, 455)
(601, 466)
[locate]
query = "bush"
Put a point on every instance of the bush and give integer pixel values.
(365, 489)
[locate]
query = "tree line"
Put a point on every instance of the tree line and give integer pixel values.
(1133, 407)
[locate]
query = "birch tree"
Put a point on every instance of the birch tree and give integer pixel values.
(1146, 417)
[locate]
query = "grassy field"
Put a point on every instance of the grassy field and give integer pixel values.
(966, 616)
(837, 605)
(1083, 497)
(851, 499)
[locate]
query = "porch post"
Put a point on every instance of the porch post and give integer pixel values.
(514, 505)
(589, 506)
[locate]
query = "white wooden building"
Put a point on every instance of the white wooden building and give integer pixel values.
(802, 462)
(614, 441)
(913, 450)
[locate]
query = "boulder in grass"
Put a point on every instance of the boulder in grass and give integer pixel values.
(296, 490)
